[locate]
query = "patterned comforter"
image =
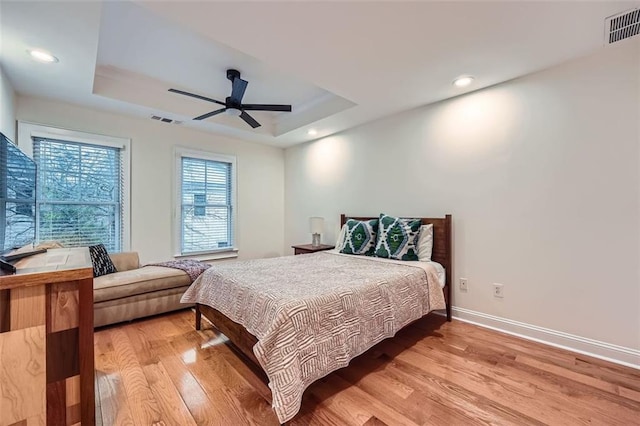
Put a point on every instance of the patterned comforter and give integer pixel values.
(313, 313)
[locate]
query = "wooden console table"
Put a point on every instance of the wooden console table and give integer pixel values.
(46, 340)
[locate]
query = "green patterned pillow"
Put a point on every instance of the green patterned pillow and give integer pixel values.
(398, 238)
(360, 237)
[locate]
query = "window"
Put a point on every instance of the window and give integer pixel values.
(206, 202)
(82, 188)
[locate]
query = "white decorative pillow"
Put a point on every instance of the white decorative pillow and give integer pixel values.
(425, 243)
(340, 242)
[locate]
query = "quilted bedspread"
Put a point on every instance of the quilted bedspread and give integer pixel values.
(313, 313)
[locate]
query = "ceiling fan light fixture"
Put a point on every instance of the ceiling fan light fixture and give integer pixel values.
(42, 56)
(463, 81)
(233, 104)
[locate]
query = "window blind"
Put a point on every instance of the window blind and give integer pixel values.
(206, 205)
(79, 196)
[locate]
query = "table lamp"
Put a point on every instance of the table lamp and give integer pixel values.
(317, 225)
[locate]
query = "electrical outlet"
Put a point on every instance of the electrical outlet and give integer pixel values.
(463, 285)
(498, 290)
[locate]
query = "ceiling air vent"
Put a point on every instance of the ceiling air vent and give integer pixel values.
(622, 26)
(165, 119)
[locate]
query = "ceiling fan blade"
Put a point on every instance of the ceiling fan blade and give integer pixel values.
(266, 107)
(193, 95)
(210, 114)
(249, 119)
(237, 90)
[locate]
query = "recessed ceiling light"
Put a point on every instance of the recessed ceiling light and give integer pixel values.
(312, 132)
(42, 56)
(463, 81)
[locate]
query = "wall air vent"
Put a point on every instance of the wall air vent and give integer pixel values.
(621, 26)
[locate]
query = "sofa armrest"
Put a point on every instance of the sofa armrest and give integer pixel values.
(125, 261)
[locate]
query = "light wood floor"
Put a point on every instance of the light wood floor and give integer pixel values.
(161, 371)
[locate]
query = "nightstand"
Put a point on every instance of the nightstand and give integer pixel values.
(308, 248)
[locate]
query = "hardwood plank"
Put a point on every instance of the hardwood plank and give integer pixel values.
(22, 374)
(27, 307)
(63, 357)
(500, 390)
(442, 399)
(217, 379)
(422, 403)
(568, 374)
(433, 372)
(555, 385)
(86, 348)
(56, 403)
(45, 278)
(164, 390)
(203, 408)
(37, 421)
(315, 411)
(73, 414)
(64, 306)
(349, 401)
(629, 393)
(482, 346)
(374, 421)
(111, 392)
(152, 343)
(5, 311)
(171, 404)
(73, 390)
(516, 383)
(142, 404)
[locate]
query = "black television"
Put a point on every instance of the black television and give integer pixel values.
(17, 197)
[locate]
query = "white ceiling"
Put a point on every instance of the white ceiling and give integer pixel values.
(339, 64)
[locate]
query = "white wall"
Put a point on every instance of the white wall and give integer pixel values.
(541, 175)
(260, 202)
(7, 107)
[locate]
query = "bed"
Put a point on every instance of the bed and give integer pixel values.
(296, 319)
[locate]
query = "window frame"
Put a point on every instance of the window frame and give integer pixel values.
(213, 254)
(27, 131)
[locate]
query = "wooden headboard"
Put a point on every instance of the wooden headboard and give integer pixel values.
(441, 248)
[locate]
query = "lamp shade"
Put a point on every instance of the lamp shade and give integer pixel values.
(316, 224)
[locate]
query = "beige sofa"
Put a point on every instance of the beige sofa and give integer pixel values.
(135, 292)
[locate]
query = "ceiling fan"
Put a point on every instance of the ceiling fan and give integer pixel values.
(233, 104)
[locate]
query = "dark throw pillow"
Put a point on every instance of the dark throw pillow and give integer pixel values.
(398, 238)
(360, 237)
(102, 264)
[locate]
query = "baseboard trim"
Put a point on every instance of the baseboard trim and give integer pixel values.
(597, 349)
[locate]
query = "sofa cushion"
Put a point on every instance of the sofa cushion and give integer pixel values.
(102, 264)
(126, 260)
(137, 281)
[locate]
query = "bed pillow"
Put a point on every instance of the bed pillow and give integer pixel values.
(398, 238)
(340, 242)
(425, 243)
(360, 237)
(102, 264)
